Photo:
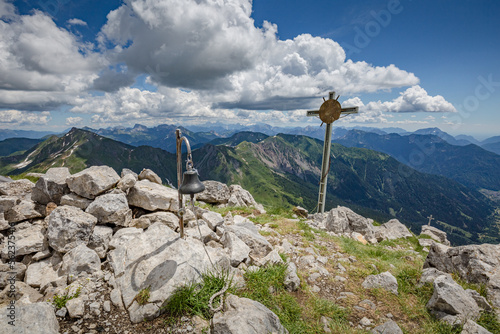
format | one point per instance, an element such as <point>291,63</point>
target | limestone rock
<point>126,182</point>
<point>246,316</point>
<point>166,218</point>
<point>3,223</point>
<point>51,186</point>
<point>73,199</point>
<point>19,188</point>
<point>424,242</point>
<point>99,240</point>
<point>215,193</point>
<point>7,202</point>
<point>160,260</point>
<point>41,273</point>
<point>213,219</point>
<point>435,234</point>
<point>25,209</point>
<point>471,327</point>
<point>37,318</point>
<point>124,235</point>
<point>30,239</point>
<point>238,250</point>
<point>76,307</point>
<point>451,303</point>
<point>93,181</point>
<point>151,196</point>
<point>300,211</point>
<point>69,227</point>
<point>240,196</point>
<point>249,234</point>
<point>80,259</point>
<point>148,174</point>
<point>292,280</point>
<point>23,291</point>
<point>478,264</point>
<point>391,230</point>
<point>111,208</point>
<point>344,220</point>
<point>126,171</point>
<point>389,327</point>
<point>430,274</point>
<point>6,273</point>
<point>206,233</point>
<point>384,280</point>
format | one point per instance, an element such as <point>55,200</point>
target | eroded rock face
<point>151,196</point>
<point>18,188</point>
<point>246,316</point>
<point>148,174</point>
<point>99,240</point>
<point>111,208</point>
<point>474,263</point>
<point>238,250</point>
<point>451,303</point>
<point>51,186</point>
<point>37,318</point>
<point>69,227</point>
<point>93,181</point>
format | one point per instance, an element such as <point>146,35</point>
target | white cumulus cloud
<point>73,121</point>
<point>23,118</point>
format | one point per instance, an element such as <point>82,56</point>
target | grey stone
<point>238,250</point>
<point>80,259</point>
<point>37,318</point>
<point>69,227</point>
<point>111,208</point>
<point>139,313</point>
<point>365,322</point>
<point>480,300</point>
<point>19,188</point>
<point>28,240</point>
<point>391,230</point>
<point>151,196</point>
<point>76,307</point>
<point>23,291</point>
<point>344,220</point>
<point>25,209</point>
<point>270,259</point>
<point>99,240</point>
<point>75,200</point>
<point>160,260</point>
<point>430,274</point>
<point>62,312</point>
<point>126,171</point>
<point>215,193</point>
<point>41,273</point>
<point>383,280</point>
<point>470,327</point>
<point>148,174</point>
<point>116,298</point>
<point>246,316</point>
<point>451,303</point>
<point>166,218</point>
<point>124,235</point>
<point>479,264</point>
<point>213,219</point>
<point>389,327</point>
<point>435,234</point>
<point>249,234</point>
<point>206,233</point>
<point>126,182</point>
<point>106,306</point>
<point>51,186</point>
<point>424,242</point>
<point>5,272</point>
<point>93,181</point>
<point>291,281</point>
<point>240,197</point>
<point>7,202</point>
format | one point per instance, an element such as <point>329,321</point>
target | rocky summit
<point>99,252</point>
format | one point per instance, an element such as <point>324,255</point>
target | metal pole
<point>325,168</point>
<point>179,178</point>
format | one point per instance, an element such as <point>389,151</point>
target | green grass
<point>490,321</point>
<point>193,298</point>
<point>59,301</point>
<point>143,296</point>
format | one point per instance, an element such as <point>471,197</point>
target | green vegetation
<point>490,321</point>
<point>59,301</point>
<point>143,296</point>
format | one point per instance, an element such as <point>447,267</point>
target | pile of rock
<point>220,194</point>
<point>95,226</point>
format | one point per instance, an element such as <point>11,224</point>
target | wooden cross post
<point>329,112</point>
<point>430,219</point>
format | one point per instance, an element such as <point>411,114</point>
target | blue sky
<point>409,64</point>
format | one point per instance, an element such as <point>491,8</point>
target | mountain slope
<point>470,165</point>
<point>13,145</point>
<point>235,139</point>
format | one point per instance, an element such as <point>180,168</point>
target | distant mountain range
<point>283,170</point>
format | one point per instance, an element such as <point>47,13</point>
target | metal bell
<point>191,183</point>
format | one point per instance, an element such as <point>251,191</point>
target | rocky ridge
<point>106,238</point>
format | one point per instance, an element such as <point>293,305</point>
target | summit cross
<point>329,112</point>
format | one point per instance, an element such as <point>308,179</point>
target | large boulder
<point>391,230</point>
<point>215,193</point>
<point>344,220</point>
<point>18,188</point>
<point>75,200</point>
<point>246,316</point>
<point>51,186</point>
<point>44,272</point>
<point>111,208</point>
<point>240,196</point>
<point>93,181</point>
<point>249,234</point>
<point>161,261</point>
<point>238,250</point>
<point>25,209</point>
<point>37,318</point>
<point>99,240</point>
<point>451,303</point>
<point>69,227</point>
<point>384,280</point>
<point>436,234</point>
<point>478,264</point>
<point>151,196</point>
<point>471,327</point>
<point>148,174</point>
